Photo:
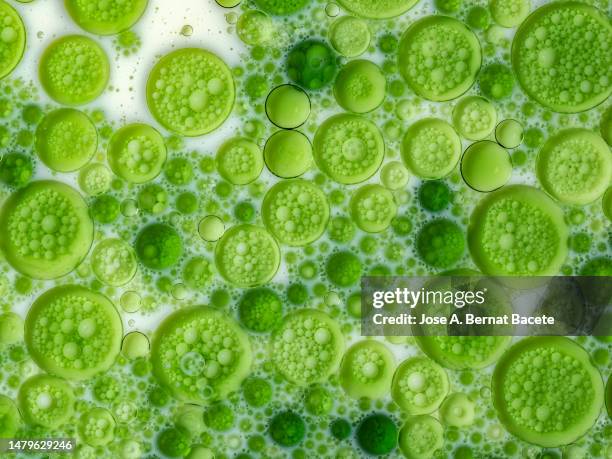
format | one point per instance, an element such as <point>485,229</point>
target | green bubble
<point>135,345</point>
<point>518,230</point>
<point>288,106</point>
<point>441,243</point>
<point>190,91</point>
<point>485,166</point>
<point>348,148</point>
<point>340,429</point>
<point>546,391</point>
<point>66,139</point>
<point>509,133</point>
<point>575,166</point>
<point>10,419</point>
<point>431,148</point>
<point>219,417</point>
<point>295,212</point>
<point>478,17</point>
<point>73,332</point>
<point>367,369</point>
<point>94,179</point>
<point>434,195</point>
<point>239,161</point>
<point>448,6</point>
<point>373,208</point>
<point>457,410</point>
<point>307,347</point>
<point>16,169</point>
<point>311,64</point>
<point>439,57</point>
<point>496,81</point>
<point>158,246</point>
<point>200,354</point>
<point>282,7</point>
<point>97,427</point>
<point>198,273</point>
<point>377,434</point>
<point>598,266</point>
<point>136,153</point>
<point>12,39</point>
<point>350,36</point>
<point>377,9</point>
<point>297,294</point>
<point>227,4</point>
<point>152,199</point>
<point>211,228</point>
<point>287,428</point>
<point>187,203</point>
<point>11,328</point>
<point>360,86</point>
<point>66,236</point>
<point>474,117</point>
<point>561,58</point>
<point>257,392</point>
<point>260,310</point>
<point>174,442</point>
<point>74,70</point>
<point>394,175</point>
<point>105,18</point>
<point>247,256</point>
<point>178,171</point>
<point>114,262</point>
<point>105,209</point>
<point>344,269</point>
<point>420,437</point>
<point>46,401</point>
<point>509,13</point>
<point>318,401</point>
<point>419,385</point>
<point>288,154</point>
<point>255,28</point>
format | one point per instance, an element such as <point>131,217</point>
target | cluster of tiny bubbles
<point>202,300</point>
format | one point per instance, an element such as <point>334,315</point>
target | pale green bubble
<point>74,70</point>
<point>46,401</point>
<point>474,117</point>
<point>202,370</point>
<point>349,148</point>
<point>420,437</point>
<point>509,13</point>
<point>239,161</point>
<point>11,328</point>
<point>135,345</point>
<point>575,166</point>
<point>197,104</point>
<point>366,369</point>
<point>12,39</point>
<point>114,262</point>
<point>426,63</point>
<point>211,228</point>
<point>509,133</point>
<point>255,27</point>
<point>457,410</point>
<point>419,385</point>
<point>360,86</point>
<point>485,166</point>
<point>380,9</point>
<point>58,248</point>
<point>394,175</point>
<point>137,153</point>
<point>97,427</point>
<point>554,46</point>
<point>288,106</point>
<point>350,36</point>
<point>288,154</point>
<point>66,139</point>
<point>295,212</point>
<point>373,208</point>
<point>105,18</point>
<point>431,148</point>
<point>86,334</point>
